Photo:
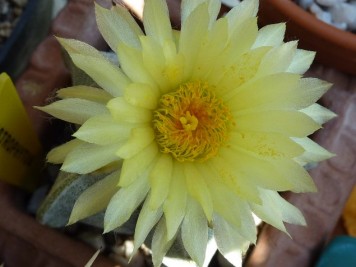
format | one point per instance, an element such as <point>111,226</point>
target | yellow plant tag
<point>19,145</point>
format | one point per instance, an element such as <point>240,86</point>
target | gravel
<point>10,12</point>
<point>339,13</point>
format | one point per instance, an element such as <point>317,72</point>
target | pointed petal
<point>237,213</point>
<point>188,6</point>
<point>296,175</point>
<point>154,61</point>
<point>156,21</point>
<point>270,35</point>
<point>123,111</point>
<point>93,63</point>
<point>95,198</point>
<point>241,12</point>
<point>103,130</point>
<point>160,243</point>
<point>259,171</point>
<point>195,225</point>
<point>230,243</point>
<point>290,123</point>
<point>313,152</point>
<point>138,140</point>
<point>175,205</point>
<point>74,110</point>
<point>239,184</point>
<point>277,91</point>
<point>117,25</point>
<point>274,210</point>
<point>198,189</point>
<point>85,92</point>
<point>160,178</point>
<point>146,221</point>
<point>89,157</point>
<point>268,92</point>
<point>211,49</point>
<point>142,95</point>
<point>58,154</point>
<point>131,62</point>
<point>266,145</point>
<point>193,31</point>
<point>301,61</point>
<point>277,59</point>
<point>124,203</point>
<point>135,166</point>
<point>318,113</point>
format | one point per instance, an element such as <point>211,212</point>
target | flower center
<point>191,123</point>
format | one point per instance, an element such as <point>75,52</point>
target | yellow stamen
<point>191,123</point>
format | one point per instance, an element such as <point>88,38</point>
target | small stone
<point>305,3</point>
<point>315,9</point>
<point>341,26</point>
<point>344,13</point>
<point>329,3</point>
<point>324,16</point>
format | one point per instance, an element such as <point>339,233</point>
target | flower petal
<point>131,62</point>
<point>160,178</point>
<point>103,130</point>
<point>124,203</point>
<point>266,145</point>
<point>211,49</point>
<point>160,243</point>
<point>93,63</point>
<point>135,166</point>
<point>89,157</point>
<point>74,110</point>
<point>313,152</point>
<point>241,186</point>
<point>195,225</point>
<point>142,95</point>
<point>117,25</point>
<point>277,91</point>
<point>188,6</point>
<point>241,12</point>
<point>274,210</point>
<point>296,175</point>
<point>230,243</point>
<point>85,92</point>
<point>156,21</point>
<point>258,171</point>
<point>237,213</point>
<point>123,111</point>
<point>154,61</point>
<point>230,77</point>
<point>175,205</point>
<point>192,34</point>
<point>138,140</point>
<point>301,61</point>
<point>58,154</point>
<point>270,35</point>
<point>290,123</point>
<point>277,59</point>
<point>198,189</point>
<point>318,113</point>
<point>146,221</point>
<point>95,198</point>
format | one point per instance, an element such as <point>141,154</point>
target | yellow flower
<point>203,126</point>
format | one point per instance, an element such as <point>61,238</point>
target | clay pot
<point>334,47</point>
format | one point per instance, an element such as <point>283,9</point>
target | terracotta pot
<point>334,47</point>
